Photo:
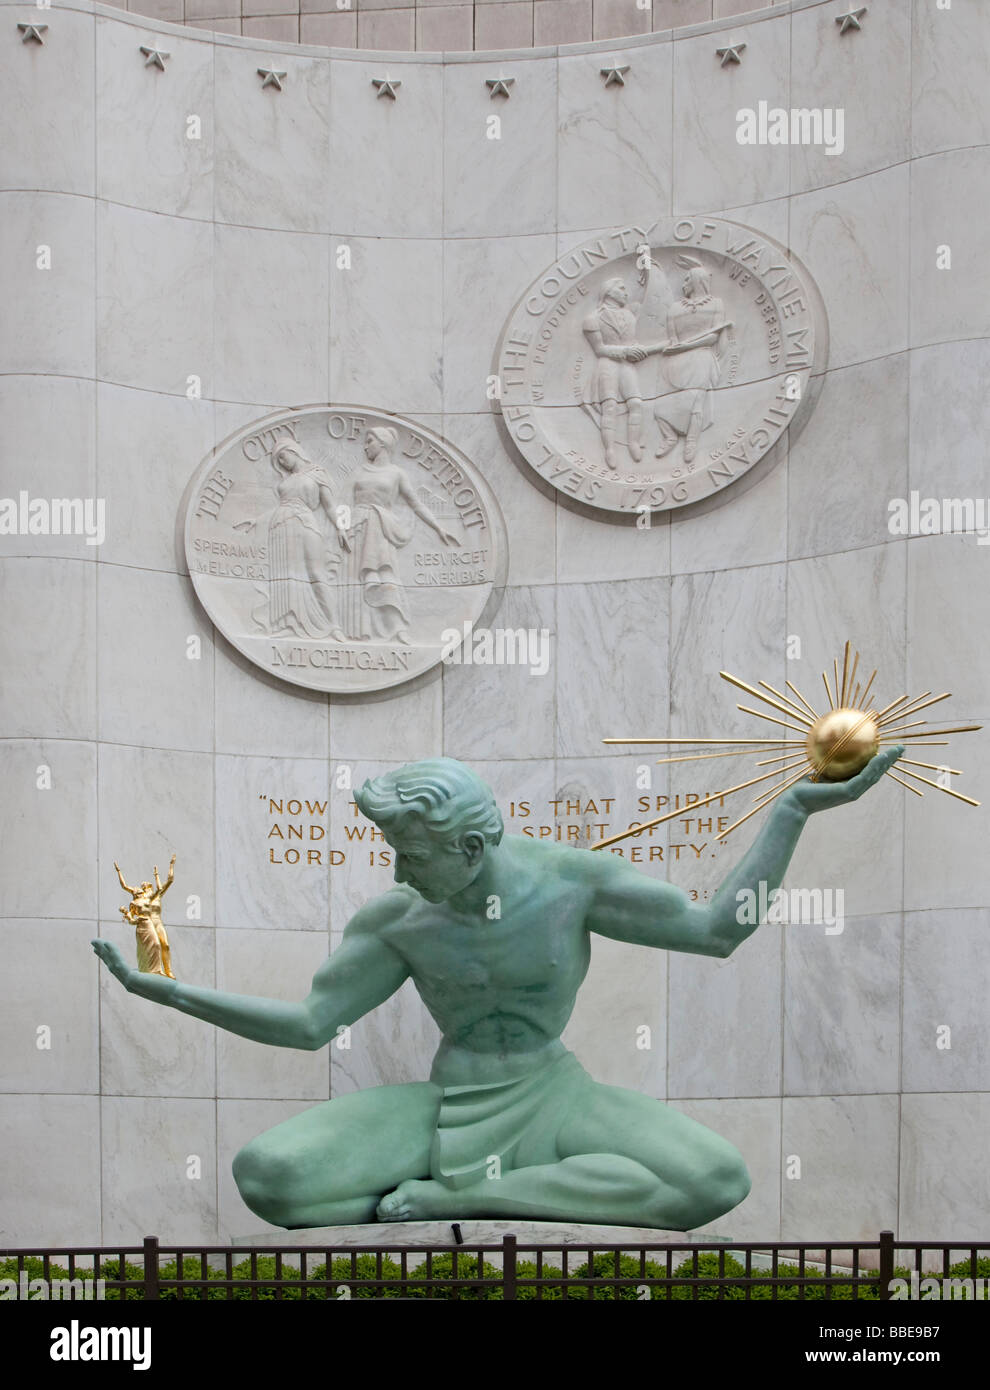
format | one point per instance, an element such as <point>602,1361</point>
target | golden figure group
<point>144,911</point>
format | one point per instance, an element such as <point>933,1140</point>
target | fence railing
<point>508,1269</point>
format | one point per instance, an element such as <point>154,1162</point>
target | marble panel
<point>238,1122</point>
<point>391,1045</point>
<point>561,21</point>
<point>504,24</point>
<point>754,1127</point>
<point>266,8</point>
<point>386,334</point>
<point>39,414</point>
<point>857,848</point>
<point>730,621</point>
<point>483,192</point>
<point>254,710</point>
<point>944,863</point>
<point>950,56</point>
<point>139,830</point>
<point>866,74</point>
<point>398,725</point>
<point>506,711</point>
<point>52,307</point>
<point>272,321</point>
<point>331,30</point>
<point>948,612</point>
<point>724,1029</point>
<point>618,1028</point>
<point>165,701</point>
<point>617,19</point>
<point>154,300</point>
<point>857,433</point>
<point>50,983</point>
<point>147,1050</point>
<point>272,965</point>
<point>949,194</point>
<point>279,28</point>
<point>393,30</point>
<point>386,157</point>
<point>482,280</point>
<point>144,434</point>
<point>54,148</point>
<point>945,1183</point>
<point>742,527</point>
<point>842,1004</point>
<point>950,419</point>
<point>51,1190</point>
<point>597,797</point>
<point>946,985</point>
<point>49,806</point>
<point>710,168</point>
<point>159,1169</point>
<point>611,656</point>
<point>146,158</point>
<point>854,241</point>
<point>445,28</point>
<point>257,186</point>
<point>260,882</point>
<point>530,512</point>
<point>848,1151</point>
<point>621,133</point>
<point>671,13</point>
<point>50,630</point>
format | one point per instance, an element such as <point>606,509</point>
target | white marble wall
<point>216,259</point>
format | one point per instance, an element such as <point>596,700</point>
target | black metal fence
<point>509,1269</point>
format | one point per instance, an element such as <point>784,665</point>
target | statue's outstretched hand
<point>819,796</point>
<point>114,961</point>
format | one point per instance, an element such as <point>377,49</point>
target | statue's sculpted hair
<point>446,797</point>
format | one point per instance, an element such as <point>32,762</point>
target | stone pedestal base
<point>390,1234</point>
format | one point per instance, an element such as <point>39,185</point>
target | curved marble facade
<point>177,260</point>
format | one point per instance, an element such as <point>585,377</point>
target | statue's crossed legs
<point>621,1159</point>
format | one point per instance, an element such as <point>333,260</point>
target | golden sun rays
<point>826,747</point>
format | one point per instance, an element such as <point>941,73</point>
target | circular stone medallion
<point>649,368</point>
<point>340,547</point>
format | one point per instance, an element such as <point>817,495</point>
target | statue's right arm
<point>362,973</point>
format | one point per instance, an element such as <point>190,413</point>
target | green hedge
<point>355,1279</point>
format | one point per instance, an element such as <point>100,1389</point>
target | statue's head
<point>615,290</point>
<point>380,440</point>
<point>440,819</point>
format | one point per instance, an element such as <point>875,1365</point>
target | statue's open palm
<point>819,796</point>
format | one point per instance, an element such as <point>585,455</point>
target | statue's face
<point>437,871</point>
<point>372,446</point>
<point>619,294</point>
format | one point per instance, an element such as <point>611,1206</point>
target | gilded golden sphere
<point>841,743</point>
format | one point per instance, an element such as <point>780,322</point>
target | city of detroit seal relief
<point>335,545</point>
<point>651,367</point>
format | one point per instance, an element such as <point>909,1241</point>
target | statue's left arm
<point>628,906</point>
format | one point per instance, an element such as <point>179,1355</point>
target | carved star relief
<point>499,86</point>
<point>850,20</point>
<point>155,57</point>
<point>32,31</point>
<point>730,54</point>
<point>615,76</point>
<point>273,78</point>
<point>387,86</point>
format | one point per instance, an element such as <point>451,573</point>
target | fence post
<point>151,1267</point>
<point>508,1266</point>
<point>886,1263</point>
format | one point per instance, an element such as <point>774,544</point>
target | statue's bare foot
<point>417,1200</point>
